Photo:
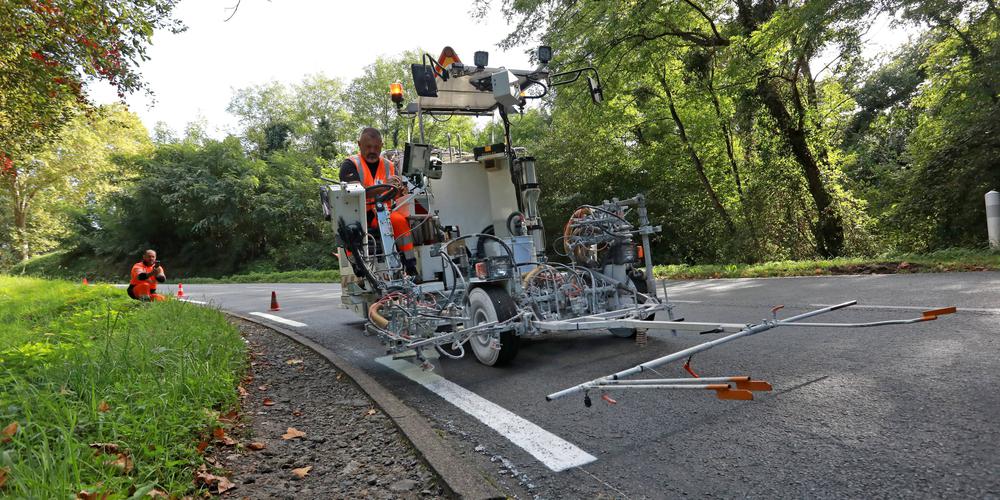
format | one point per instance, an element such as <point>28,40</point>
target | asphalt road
<point>896,411</point>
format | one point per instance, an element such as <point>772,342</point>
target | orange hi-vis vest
<point>385,170</point>
<point>150,280</point>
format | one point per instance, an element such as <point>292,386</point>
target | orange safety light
<point>396,92</point>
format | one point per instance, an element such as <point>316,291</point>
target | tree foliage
<point>50,48</point>
<point>759,128</point>
<point>72,176</point>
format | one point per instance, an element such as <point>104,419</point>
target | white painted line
<point>556,453</point>
<point>184,299</point>
<point>278,319</point>
<point>916,308</point>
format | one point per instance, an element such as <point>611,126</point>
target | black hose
<point>510,218</point>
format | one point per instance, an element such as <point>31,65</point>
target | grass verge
<point>940,261</point>
<point>301,276</point>
<point>61,265</point>
<point>102,394</point>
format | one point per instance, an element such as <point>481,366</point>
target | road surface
<point>898,411</point>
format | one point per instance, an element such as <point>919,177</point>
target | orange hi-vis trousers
<point>400,229</point>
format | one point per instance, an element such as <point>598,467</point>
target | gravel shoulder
<point>350,448</point>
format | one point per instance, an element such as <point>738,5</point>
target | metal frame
<point>614,381</point>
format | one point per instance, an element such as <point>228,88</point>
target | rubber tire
<point>492,303</point>
<point>629,333</point>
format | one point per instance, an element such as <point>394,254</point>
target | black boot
<point>410,265</point>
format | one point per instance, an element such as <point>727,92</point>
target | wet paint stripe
<point>279,319</point>
<point>556,453</point>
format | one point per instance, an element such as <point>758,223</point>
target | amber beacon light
<point>396,92</point>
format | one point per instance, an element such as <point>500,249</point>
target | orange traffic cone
<point>85,282</point>
<point>274,302</point>
<point>180,289</point>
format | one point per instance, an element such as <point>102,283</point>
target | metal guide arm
<point>613,380</point>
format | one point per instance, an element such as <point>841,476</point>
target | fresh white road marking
<point>278,319</point>
<point>556,453</point>
<point>192,301</point>
<point>916,308</point>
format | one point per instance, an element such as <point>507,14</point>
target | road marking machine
<point>484,279</point>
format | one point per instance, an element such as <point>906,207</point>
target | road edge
<point>458,475</point>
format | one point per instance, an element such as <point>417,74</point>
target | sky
<point>193,74</point>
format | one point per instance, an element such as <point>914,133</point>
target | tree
<point>74,174</point>
<point>754,56</point>
<point>309,117</point>
<point>368,98</point>
<point>49,50</point>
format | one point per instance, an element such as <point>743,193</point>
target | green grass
<point>164,370</point>
<point>61,265</point>
<point>301,276</point>
<point>940,261</point>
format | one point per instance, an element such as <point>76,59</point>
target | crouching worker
<point>145,275</point>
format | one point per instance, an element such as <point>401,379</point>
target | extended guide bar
<point>613,380</point>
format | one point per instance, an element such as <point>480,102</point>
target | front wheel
<point>488,304</point>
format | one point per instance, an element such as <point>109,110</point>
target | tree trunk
<point>21,225</point>
<point>829,231</point>
<point>696,160</point>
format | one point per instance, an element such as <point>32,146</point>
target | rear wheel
<point>639,281</point>
<point>488,304</point>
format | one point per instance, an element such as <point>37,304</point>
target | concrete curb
<point>459,476</point>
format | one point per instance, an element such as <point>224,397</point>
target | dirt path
<point>349,449</point>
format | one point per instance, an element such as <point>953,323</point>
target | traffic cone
<point>180,290</point>
<point>85,282</point>
<point>274,302</point>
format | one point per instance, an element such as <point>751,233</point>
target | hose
<point>576,254</point>
<point>375,317</point>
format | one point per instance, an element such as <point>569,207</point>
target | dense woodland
<point>758,129</point>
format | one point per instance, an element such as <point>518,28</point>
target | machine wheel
<point>488,304</point>
<point>639,281</point>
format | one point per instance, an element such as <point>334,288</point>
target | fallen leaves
<point>201,447</point>
<point>221,484</point>
<point>122,462</point>
<point>256,446</point>
<point>230,418</point>
<point>292,433</point>
<point>243,392</point>
<point>8,432</point>
<point>340,374</point>
<point>268,402</point>
<point>86,495</point>
<point>294,361</point>
<point>370,412</point>
<point>220,437</point>
<point>297,413</point>
<point>302,472</point>
<point>261,388</point>
<point>119,459</point>
<point>103,407</point>
<point>3,476</point>
<point>109,448</point>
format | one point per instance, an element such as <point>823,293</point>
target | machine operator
<point>369,168</point>
<point>145,275</point>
